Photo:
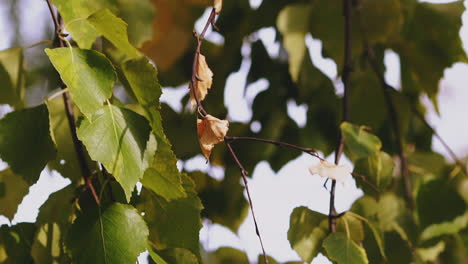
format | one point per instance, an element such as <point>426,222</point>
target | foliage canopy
<point>109,61</point>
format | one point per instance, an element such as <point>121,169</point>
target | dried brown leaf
<point>218,5</point>
<point>211,131</point>
<point>205,82</point>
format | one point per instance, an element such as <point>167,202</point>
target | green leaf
<point>75,12</point>
<point>293,22</point>
<point>25,139</point>
<point>358,142</point>
<point>438,202</point>
<point>397,248</point>
<point>121,140</point>
<point>427,49</point>
<point>15,242</point>
<point>12,191</point>
<point>142,78</point>
<point>348,223</point>
<point>224,200</point>
<point>48,246</point>
<point>88,74</point>
<point>163,177</point>
<point>227,255</point>
<point>155,256</point>
<point>118,234</point>
<point>139,15</point>
<point>307,230</point>
<point>114,29</point>
<point>344,250</point>
<point>66,162</point>
<point>58,207</point>
<point>12,77</point>
<point>430,254</point>
<point>445,228</point>
<point>174,224</point>
<point>377,170</point>
<point>166,185</point>
<point>178,255</point>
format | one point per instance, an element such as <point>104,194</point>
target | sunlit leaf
<point>307,230</point>
<point>174,224</point>
<point>162,177</point>
<point>12,77</point>
<point>358,142</point>
<point>344,250</point>
<point>114,29</point>
<point>12,191</point>
<point>118,233</point>
<point>15,242</point>
<point>445,228</point>
<point>293,23</point>
<point>66,162</point>
<point>377,169</point>
<point>227,255</point>
<point>430,254</point>
<point>88,74</point>
<point>177,255</point>
<point>25,139</point>
<point>430,48</point>
<point>121,140</point>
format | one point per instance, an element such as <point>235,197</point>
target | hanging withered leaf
<point>339,173</point>
<point>204,82</point>
<point>211,131</point>
<point>218,5</point>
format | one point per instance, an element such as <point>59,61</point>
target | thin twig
<point>396,128</point>
<point>79,149</point>
<point>309,151</point>
<point>201,110</point>
<point>195,78</point>
<point>452,154</point>
<point>244,178</point>
<point>347,68</point>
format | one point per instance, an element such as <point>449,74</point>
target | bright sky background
<point>274,195</point>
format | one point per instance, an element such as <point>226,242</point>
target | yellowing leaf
<point>218,5</point>
<point>206,80</point>
<point>211,131</point>
<point>338,173</point>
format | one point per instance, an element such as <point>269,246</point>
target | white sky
<point>274,195</point>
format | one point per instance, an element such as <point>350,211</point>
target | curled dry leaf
<point>340,173</point>
<point>218,5</point>
<point>205,76</point>
<point>211,131</point>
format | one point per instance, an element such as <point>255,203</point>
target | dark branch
<point>79,149</point>
<point>347,68</point>
<point>244,178</point>
<point>309,151</point>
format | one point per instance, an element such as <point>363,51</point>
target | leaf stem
<point>244,179</point>
<point>309,151</point>
<point>79,149</point>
